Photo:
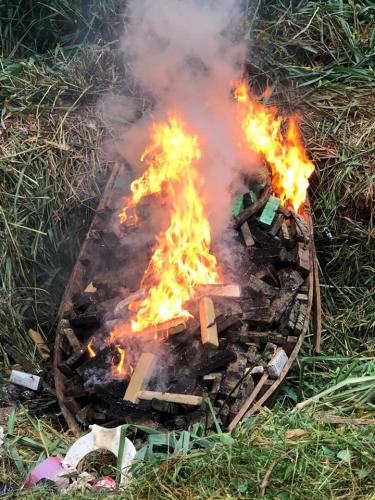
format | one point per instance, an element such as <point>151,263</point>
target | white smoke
<point>184,55</point>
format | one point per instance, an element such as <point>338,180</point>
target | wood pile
<point>234,348</point>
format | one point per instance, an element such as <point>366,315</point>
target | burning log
<point>231,291</point>
<point>185,399</point>
<point>207,318</point>
<point>165,329</point>
<point>141,374</point>
<point>254,208</point>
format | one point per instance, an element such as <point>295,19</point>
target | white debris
<point>27,380</point>
<point>101,438</point>
<point>277,363</point>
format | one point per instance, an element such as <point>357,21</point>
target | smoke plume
<point>184,56</point>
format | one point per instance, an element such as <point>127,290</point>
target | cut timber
<point>71,337</point>
<point>207,319</point>
<point>140,376</point>
<point>231,290</point>
<point>170,327</point>
<point>90,288</point>
<point>40,343</point>
<point>246,234</point>
<point>184,399</point>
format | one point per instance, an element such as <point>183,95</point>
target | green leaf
<point>344,455</point>
<point>226,439</point>
<point>362,473</point>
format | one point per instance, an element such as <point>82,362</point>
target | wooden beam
<point>231,290</point>
<point>246,234</point>
<point>165,329</point>
<point>40,343</point>
<point>140,376</point>
<point>207,319</point>
<point>185,399</point>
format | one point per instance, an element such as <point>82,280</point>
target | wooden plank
<point>140,376</point>
<point>40,343</point>
<point>230,290</point>
<point>246,234</point>
<point>71,337</point>
<point>90,288</point>
<point>161,330</point>
<point>207,318</point>
<point>185,399</point>
<point>317,305</point>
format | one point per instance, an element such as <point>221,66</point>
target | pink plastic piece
<point>105,482</point>
<point>51,468</point>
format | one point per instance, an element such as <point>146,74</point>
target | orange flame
<point>285,154</point>
<point>181,257</point>
<point>90,349</point>
<point>119,370</point>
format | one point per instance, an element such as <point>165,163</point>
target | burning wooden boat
<point>168,348</point>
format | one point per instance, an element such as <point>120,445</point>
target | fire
<point>181,257</point>
<point>284,153</point>
<point>119,369</point>
<point>90,349</point>
<point>169,155</point>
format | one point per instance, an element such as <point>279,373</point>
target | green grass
<point>56,60</point>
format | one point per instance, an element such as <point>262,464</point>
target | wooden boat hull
<point>78,282</point>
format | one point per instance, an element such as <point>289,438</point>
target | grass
<point>56,61</point>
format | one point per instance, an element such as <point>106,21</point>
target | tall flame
<point>181,257</point>
<point>285,154</point>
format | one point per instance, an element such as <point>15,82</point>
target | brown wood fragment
<point>285,236</point>
<point>317,305</point>
<point>207,318</point>
<point>214,362</point>
<point>90,288</point>
<point>185,399</point>
<point>277,223</point>
<point>140,376</point>
<point>40,343</point>
<point>246,234</point>
<point>163,330</point>
<point>337,419</point>
<point>304,259</point>
<point>256,286</point>
<point>71,337</point>
<point>230,290</point>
